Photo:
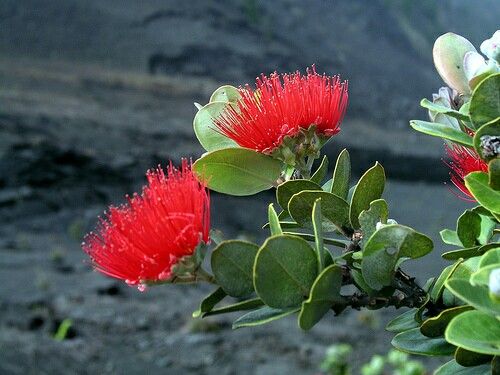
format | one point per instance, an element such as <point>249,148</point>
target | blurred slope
<point>381,46</point>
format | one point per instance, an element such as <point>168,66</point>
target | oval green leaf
<point>475,295</point>
<point>205,130</point>
<point>485,101</point>
<point>320,173</point>
<point>469,228</point>
<point>437,108</point>
<point>442,131</point>
<point>475,331</point>
<point>468,358</point>
<point>261,316</point>
<point>385,247</point>
<point>287,190</point>
<point>238,171</point>
<point>403,322</point>
<point>413,342</point>
<point>285,269</point>
<point>478,185</point>
<point>335,210</point>
<point>453,368</point>
<point>436,326</point>
<point>369,188</point>
<point>324,293</point>
<point>341,175</point>
<point>209,302</point>
<point>232,264</point>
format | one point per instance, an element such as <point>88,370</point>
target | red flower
<point>142,240</point>
<point>463,161</point>
<point>282,105</point>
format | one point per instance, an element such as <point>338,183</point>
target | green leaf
<point>475,331</point>
<point>475,295</point>
<point>361,283</point>
<point>438,288</point>
<point>318,234</point>
<point>284,271</point>
<point>450,237</point>
<point>335,210</point>
<point>413,342</point>
<point>467,358</point>
<point>442,131</point>
<point>466,268</point>
<point>477,183</point>
<point>369,188</point>
<point>232,264</point>
<point>494,174</point>
<point>209,302</point>
<point>487,227</point>
<point>341,175</point>
<point>262,316</point>
<point>491,257</point>
<point>328,241</point>
<point>491,129</point>
<point>435,326</point>
<point>368,219</point>
<point>485,101</point>
<point>471,252</point>
<point>226,94</point>
<point>249,304</point>
<point>385,247</point>
<point>453,368</point>
<point>324,293</point>
<point>448,53</point>
<point>238,171</point>
<point>205,129</point>
<point>437,108</point>
<point>287,190</point>
<point>469,228</point>
<point>482,276</point>
<point>403,322</point>
<point>274,222</point>
<point>320,173</point>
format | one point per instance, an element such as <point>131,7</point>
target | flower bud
<point>494,284</point>
<point>448,52</point>
<point>491,47</point>
<point>476,68</point>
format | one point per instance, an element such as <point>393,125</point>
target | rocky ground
<point>94,93</point>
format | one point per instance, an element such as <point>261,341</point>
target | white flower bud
<point>494,282</point>
<point>491,47</point>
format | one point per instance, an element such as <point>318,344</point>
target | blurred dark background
<point>94,92</point>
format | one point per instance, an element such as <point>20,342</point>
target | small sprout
<point>374,367</point>
<point>76,230</point>
<point>204,326</point>
<point>336,360</point>
<point>63,329</point>
<point>57,255</point>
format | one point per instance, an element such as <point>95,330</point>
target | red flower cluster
<point>463,161</point>
<point>142,240</point>
<point>282,105</point>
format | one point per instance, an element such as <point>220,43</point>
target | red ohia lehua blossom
<point>142,240</point>
<point>282,105</point>
<point>463,161</point>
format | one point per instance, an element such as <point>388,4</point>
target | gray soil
<point>82,118</point>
